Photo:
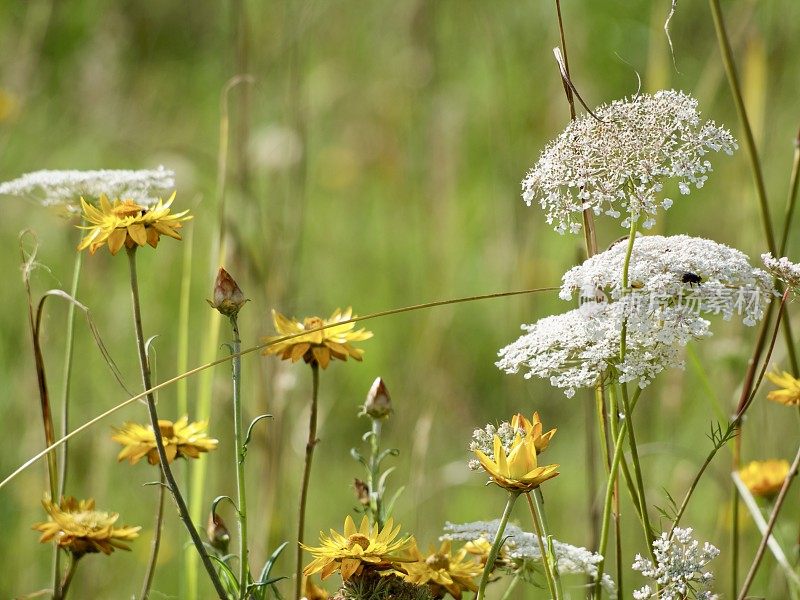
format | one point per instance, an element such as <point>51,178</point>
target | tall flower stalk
<point>228,300</point>
<point>318,342</point>
<point>153,413</point>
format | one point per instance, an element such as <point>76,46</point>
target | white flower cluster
<point>616,163</point>
<point>522,548</point>
<point>573,349</point>
<point>679,569</point>
<point>672,282</point>
<point>783,269</point>
<point>483,440</point>
<point>64,188</point>
<point>699,274</point>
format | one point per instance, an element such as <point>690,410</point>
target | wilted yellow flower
<point>320,346</point>
<point>764,477</point>
<point>356,549</point>
<point>442,571</point>
<point>518,470</point>
<point>789,394</point>
<point>77,527</point>
<point>181,439</point>
<point>126,223</point>
<point>518,421</point>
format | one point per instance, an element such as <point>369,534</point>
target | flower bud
<point>218,533</point>
<point>378,404</point>
<point>228,298</point>
<point>362,491</point>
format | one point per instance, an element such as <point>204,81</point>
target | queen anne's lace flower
<point>483,440</point>
<point>573,349</point>
<point>700,275</point>
<point>783,269</point>
<point>522,548</point>
<point>65,188</point>
<point>617,163</point>
<point>679,569</point>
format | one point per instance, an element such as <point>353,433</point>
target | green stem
<point>791,201</point>
<point>312,442</point>
<point>511,587</point>
<point>67,377</point>
<point>374,474</point>
<point>637,468</point>
<point>241,496</point>
<point>551,555</point>
<point>63,587</point>
<point>540,536</point>
<point>156,543</point>
<point>497,544</point>
<point>162,455</point>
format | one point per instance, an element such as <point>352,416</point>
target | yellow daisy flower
<point>518,470</point>
<point>764,478</point>
<point>181,439</point>
<point>365,547</point>
<point>320,346</point>
<point>541,441</point>
<point>77,527</point>
<point>126,223</point>
<point>789,394</point>
<point>441,571</point>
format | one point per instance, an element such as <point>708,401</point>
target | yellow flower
<point>541,442</point>
<point>356,549</point>
<point>126,223</point>
<point>790,392</point>
<point>78,528</point>
<point>181,439</point>
<point>480,549</point>
<point>320,346</point>
<point>518,470</point>
<point>442,571</point>
<point>764,478</point>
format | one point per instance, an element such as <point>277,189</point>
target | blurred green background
<point>375,162</point>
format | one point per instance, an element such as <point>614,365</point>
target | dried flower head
<point>378,404</point>
<point>218,535</point>
<point>317,346</point>
<point>764,477</point>
<point>358,549</point>
<point>441,570</point>
<point>516,469</point>
<point>78,528</point>
<point>788,393</point>
<point>694,274</point>
<point>574,349</point>
<point>64,188</point>
<point>679,569</point>
<point>228,297</point>
<point>783,269</point>
<point>521,551</point>
<point>617,163</point>
<point>126,223</point>
<point>181,439</point>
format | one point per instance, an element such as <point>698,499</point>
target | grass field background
<point>375,162</point>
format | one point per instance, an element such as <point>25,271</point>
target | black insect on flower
<point>691,278</point>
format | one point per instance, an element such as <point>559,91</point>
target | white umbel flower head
<point>483,440</point>
<point>63,189</point>
<point>679,569</point>
<point>616,164</point>
<point>783,269</point>
<point>522,547</point>
<point>697,274</point>
<point>572,350</point>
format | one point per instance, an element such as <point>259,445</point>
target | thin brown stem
<point>156,543</point>
<point>779,501</point>
<point>162,455</point>
<point>310,445</point>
